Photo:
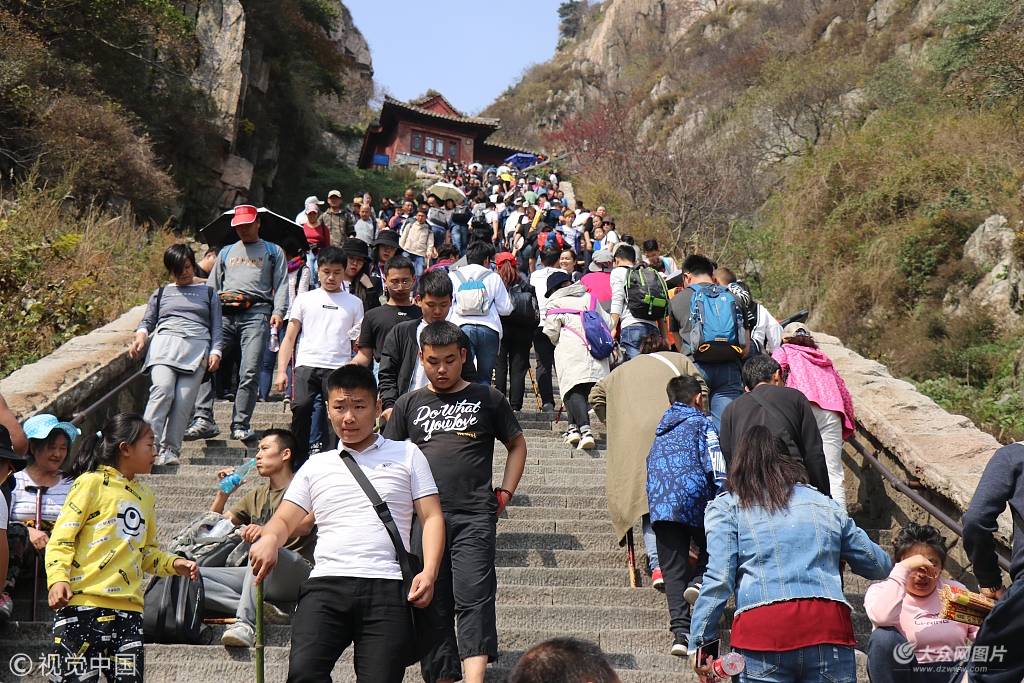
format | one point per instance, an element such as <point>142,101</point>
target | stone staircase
<point>560,569</point>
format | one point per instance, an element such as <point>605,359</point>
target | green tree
<point>573,14</point>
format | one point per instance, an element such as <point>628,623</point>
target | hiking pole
<point>259,633</point>
<point>536,391</point>
<point>631,555</point>
<point>39,491</point>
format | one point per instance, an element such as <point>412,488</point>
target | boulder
<point>1001,289</point>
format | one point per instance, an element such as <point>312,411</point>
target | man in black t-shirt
<point>400,280</point>
<point>455,424</point>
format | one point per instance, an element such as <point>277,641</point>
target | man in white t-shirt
<point>325,318</point>
<point>480,298</point>
<point>356,593</point>
<point>541,344</point>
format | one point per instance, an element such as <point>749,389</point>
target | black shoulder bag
<point>427,625</point>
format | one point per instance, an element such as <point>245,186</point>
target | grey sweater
<point>1001,484</point>
<point>251,271</point>
<point>184,310</point>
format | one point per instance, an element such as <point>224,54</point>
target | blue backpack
<point>598,339</point>
<point>718,334</point>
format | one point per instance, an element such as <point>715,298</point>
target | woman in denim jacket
<point>776,544</point>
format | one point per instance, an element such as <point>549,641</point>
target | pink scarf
<point>811,371</point>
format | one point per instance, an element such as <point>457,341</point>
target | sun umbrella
<point>446,191</point>
<point>273,228</point>
<point>521,160</point>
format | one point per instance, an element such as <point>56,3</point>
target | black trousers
<point>513,364</point>
<point>1001,635</point>
<point>576,401</point>
<point>336,611</point>
<point>674,554</point>
<point>545,363</point>
<point>92,643</point>
<point>465,590</point>
<point>308,383</point>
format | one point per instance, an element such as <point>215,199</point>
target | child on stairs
<point>102,542</point>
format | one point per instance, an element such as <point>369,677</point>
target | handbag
<point>427,624</point>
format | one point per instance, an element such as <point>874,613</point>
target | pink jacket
<point>811,371</point>
<point>917,619</point>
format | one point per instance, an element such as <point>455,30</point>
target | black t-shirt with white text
<point>456,432</point>
<point>378,322</point>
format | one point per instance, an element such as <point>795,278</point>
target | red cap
<point>244,213</point>
<point>504,257</point>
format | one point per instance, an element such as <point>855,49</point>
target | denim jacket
<point>790,555</point>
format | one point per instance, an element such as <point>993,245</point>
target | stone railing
<point>942,455</point>
<point>78,373</point>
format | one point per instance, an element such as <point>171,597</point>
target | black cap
<point>355,247</point>
<point>386,237</point>
<point>556,280</point>
<point>18,462</point>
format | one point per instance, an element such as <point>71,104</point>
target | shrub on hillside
<point>65,272</point>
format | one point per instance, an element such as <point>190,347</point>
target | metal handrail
<point>902,487</point>
<point>79,418</point>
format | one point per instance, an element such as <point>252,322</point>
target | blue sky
<point>469,50</point>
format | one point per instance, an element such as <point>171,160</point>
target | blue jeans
<point>460,237</point>
<point>650,542</point>
<point>440,235</point>
<point>268,373</point>
<point>419,262</point>
<point>883,667</point>
<point>814,664</point>
<point>724,386</point>
<point>485,343</point>
<point>630,337</point>
<point>249,332</point>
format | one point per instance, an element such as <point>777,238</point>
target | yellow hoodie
<point>103,541</point>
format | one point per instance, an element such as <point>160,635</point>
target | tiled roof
<point>409,106</point>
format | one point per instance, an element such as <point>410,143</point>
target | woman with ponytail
<point>102,543</point>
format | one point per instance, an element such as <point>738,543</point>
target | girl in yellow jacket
<point>102,543</point>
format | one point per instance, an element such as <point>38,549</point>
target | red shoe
<point>656,579</point>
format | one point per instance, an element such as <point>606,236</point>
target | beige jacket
<point>572,358</point>
<point>417,239</point>
<point>630,401</point>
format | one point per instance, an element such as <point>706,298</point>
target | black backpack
<point>646,293</point>
<point>525,308</point>
<point>461,215</point>
<point>173,611</point>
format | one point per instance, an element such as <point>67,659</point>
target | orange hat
<point>244,213</point>
<point>505,257</point>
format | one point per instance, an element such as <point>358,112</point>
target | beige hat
<point>796,330</point>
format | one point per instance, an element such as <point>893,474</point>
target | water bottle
<point>729,665</point>
<point>231,482</point>
<point>275,341</point>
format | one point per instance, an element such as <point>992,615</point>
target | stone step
<point>202,493</point>
<point>534,464</point>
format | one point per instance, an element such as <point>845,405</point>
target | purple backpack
<point>598,337</point>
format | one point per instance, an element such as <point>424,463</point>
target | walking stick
<point>259,633</point>
<point>536,392</point>
<point>631,555</point>
<point>39,491</point>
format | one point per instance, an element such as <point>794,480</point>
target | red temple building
<point>429,130</point>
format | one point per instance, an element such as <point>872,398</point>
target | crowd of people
<point>401,337</point>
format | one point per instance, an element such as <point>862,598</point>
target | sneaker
<point>680,647</point>
<point>167,458</point>
<point>656,579</point>
<point>691,592</point>
<point>586,440</point>
<point>6,606</point>
<point>244,435</point>
<point>201,429</point>
<point>572,437</point>
<point>315,448</point>
<point>239,635</point>
<point>287,400</point>
<point>548,408</point>
<point>272,614</point>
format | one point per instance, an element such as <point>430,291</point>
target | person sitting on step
<point>231,589</point>
<point>904,609</point>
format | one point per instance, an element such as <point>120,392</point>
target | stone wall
<point>80,372</point>
<point>918,441</point>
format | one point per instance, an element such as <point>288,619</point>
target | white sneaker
<point>167,458</point>
<point>587,441</point>
<point>239,635</point>
<point>572,437</point>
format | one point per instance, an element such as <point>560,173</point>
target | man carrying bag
<point>360,591</point>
